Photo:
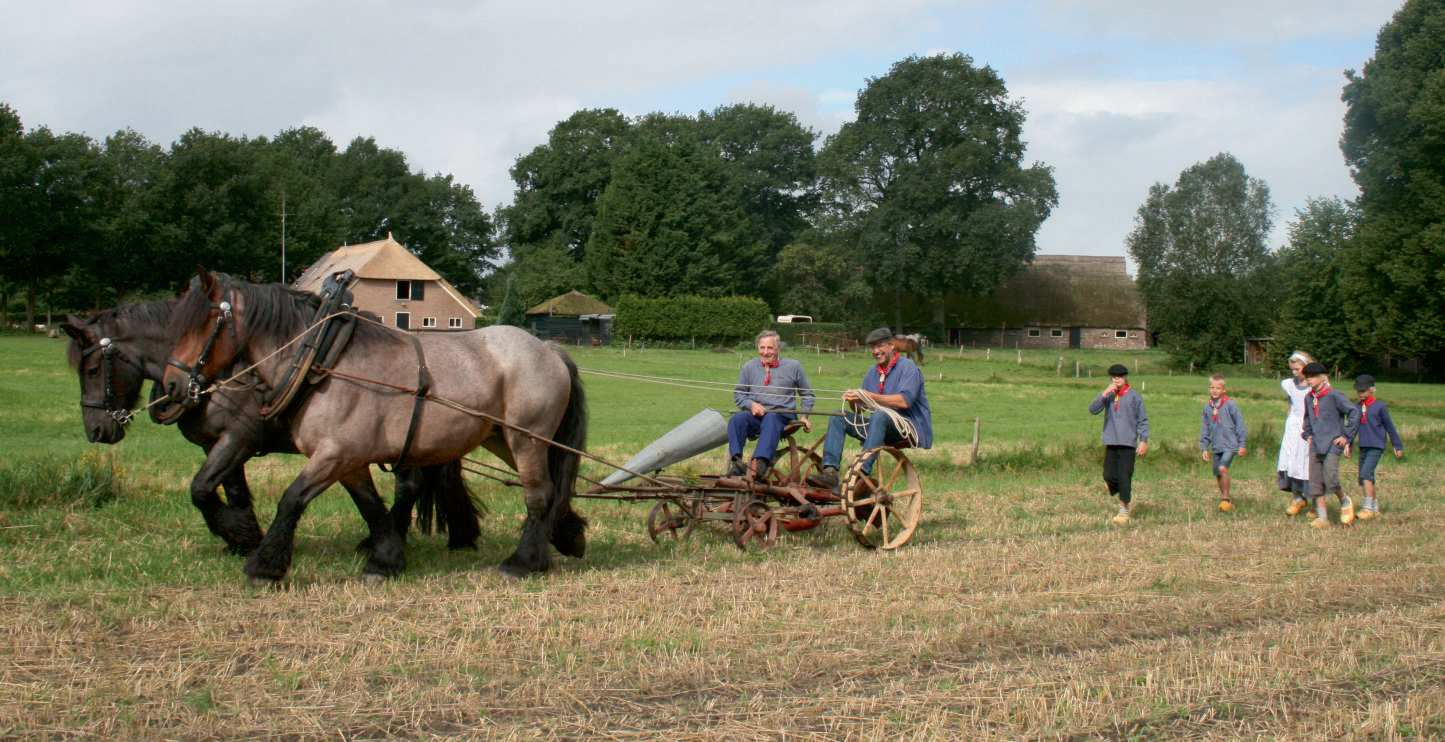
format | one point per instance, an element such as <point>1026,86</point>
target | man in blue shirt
<point>896,383</point>
<point>765,398</point>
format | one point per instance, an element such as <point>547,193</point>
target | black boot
<point>760,470</point>
<point>736,468</point>
<point>826,478</point>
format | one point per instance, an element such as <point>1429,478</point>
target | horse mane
<point>273,310</point>
<point>143,313</point>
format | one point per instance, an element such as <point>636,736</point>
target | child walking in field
<point>1375,424</point>
<point>1126,434</point>
<point>1330,423</point>
<point>1221,436</point>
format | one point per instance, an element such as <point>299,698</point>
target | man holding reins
<point>894,384</point>
<point>765,397</point>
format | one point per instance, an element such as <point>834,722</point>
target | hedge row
<point>811,333</point>
<point>729,319</point>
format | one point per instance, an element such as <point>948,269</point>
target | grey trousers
<point>1325,473</point>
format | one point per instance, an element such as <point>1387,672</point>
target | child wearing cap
<point>1126,434</point>
<point>1329,425</point>
<point>1375,424</point>
<point>1221,436</point>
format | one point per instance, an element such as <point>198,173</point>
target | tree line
<point>85,224</point>
<point>1359,281</point>
<point>924,195</point>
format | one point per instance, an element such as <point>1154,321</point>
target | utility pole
<point>283,236</point>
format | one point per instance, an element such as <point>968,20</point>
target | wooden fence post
<point>973,454</point>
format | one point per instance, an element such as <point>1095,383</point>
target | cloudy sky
<point>1120,94</point>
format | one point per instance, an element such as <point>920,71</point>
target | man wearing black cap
<point>1330,423</point>
<point>896,384</point>
<point>1126,434</point>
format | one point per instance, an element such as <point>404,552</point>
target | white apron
<point>1294,452</point>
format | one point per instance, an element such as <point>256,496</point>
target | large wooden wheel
<point>754,524</point>
<point>793,463</point>
<point>883,508</point>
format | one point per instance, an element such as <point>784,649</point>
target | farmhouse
<point>396,285</point>
<point>1058,301</point>
<point>573,317</point>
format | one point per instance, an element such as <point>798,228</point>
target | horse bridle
<point>196,381</point>
<point>109,354</point>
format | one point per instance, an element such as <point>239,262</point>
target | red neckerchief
<point>768,370</point>
<point>1317,393</point>
<point>1215,407</point>
<point>883,370</point>
<point>1365,408</point>
<point>1120,395</point>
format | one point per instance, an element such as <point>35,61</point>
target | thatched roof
<point>385,260</point>
<point>1059,291</point>
<point>570,304</point>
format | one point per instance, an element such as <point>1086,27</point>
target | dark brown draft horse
<point>116,350</point>
<point>361,413</point>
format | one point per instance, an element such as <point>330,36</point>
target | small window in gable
<point>1056,333</point>
<point>454,322</point>
<point>1121,334</point>
<point>428,321</point>
<point>1034,332</point>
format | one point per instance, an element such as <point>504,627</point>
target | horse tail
<point>568,528</point>
<point>441,499</point>
<point>457,509</point>
<point>918,345</point>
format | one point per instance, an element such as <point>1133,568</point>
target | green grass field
<point>1016,611</point>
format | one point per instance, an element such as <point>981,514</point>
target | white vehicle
<point>786,319</point>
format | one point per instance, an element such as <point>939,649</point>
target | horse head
<point>111,376</point>
<point>205,336</point>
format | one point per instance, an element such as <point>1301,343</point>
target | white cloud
<point>466,87</point>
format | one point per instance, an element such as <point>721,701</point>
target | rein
<point>109,353</point>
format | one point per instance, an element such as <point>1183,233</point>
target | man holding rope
<point>767,386</point>
<point>893,390</point>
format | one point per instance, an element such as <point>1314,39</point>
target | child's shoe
<point>1347,512</point>
<point>1296,507</point>
<point>1319,523</point>
<point>1121,518</point>
<point>1225,506</point>
<point>1366,514</point>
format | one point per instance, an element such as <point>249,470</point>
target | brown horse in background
<point>911,346</point>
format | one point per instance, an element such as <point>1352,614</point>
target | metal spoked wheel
<point>755,524</point>
<point>883,508</point>
<point>666,519</point>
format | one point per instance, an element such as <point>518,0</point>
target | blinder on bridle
<point>196,381</point>
<point>109,354</point>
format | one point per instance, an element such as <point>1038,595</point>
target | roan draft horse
<point>392,397</point>
<point>116,350</point>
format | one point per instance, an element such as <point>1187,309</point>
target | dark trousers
<point>768,429</point>
<point>1119,471</point>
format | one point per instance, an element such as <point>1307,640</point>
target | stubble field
<point>1017,611</point>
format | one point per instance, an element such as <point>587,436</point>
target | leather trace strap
<point>423,388</point>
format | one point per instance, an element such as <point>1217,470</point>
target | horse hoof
<point>372,578</point>
<point>263,583</point>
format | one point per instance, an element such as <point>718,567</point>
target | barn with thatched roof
<point>573,317</point>
<point>1058,301</point>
